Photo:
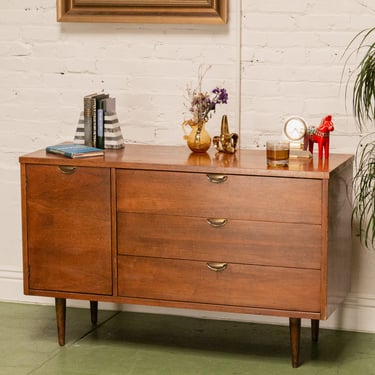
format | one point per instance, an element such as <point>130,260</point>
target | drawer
<point>235,241</point>
<point>239,197</point>
<point>238,285</point>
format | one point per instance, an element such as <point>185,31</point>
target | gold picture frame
<point>143,11</point>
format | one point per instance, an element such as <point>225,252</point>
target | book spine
<point>93,111</point>
<point>87,120</point>
<point>100,124</point>
<point>94,107</point>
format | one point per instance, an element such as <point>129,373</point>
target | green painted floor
<point>144,344</point>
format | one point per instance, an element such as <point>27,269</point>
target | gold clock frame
<point>143,11</point>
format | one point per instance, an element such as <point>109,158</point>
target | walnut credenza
<point>156,225</point>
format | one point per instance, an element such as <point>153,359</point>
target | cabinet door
<point>68,229</point>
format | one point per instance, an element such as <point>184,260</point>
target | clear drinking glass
<point>277,153</point>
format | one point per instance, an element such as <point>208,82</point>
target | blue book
<point>74,151</point>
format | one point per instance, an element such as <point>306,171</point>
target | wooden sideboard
<point>156,225</point>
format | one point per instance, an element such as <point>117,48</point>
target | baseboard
<point>356,314</point>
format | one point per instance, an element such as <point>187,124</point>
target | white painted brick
<point>9,33</point>
<point>285,6</point>
<point>39,34</point>
<point>14,49</point>
<point>358,24</point>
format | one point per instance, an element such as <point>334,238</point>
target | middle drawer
<point>235,241</point>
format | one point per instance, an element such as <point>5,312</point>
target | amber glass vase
<point>198,140</point>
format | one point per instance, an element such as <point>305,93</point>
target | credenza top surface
<point>179,158</point>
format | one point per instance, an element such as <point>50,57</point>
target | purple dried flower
<point>203,104</point>
<point>223,96</point>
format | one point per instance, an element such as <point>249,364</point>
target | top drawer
<point>238,197</point>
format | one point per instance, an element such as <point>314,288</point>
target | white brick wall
<point>292,63</point>
<point>276,58</point>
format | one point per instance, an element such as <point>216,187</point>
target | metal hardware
<point>67,170</point>
<point>217,178</point>
<point>217,267</point>
<point>226,142</point>
<point>217,222</point>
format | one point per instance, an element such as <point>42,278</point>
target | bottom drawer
<point>237,285</point>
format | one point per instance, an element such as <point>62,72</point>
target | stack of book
<point>98,125</point>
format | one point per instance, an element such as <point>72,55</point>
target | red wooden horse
<point>320,135</point>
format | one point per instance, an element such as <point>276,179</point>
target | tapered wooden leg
<point>60,305</point>
<point>314,330</point>
<point>295,334</point>
<point>94,311</point>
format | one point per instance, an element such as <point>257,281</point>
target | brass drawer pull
<point>217,267</point>
<point>217,222</point>
<point>217,178</point>
<point>67,170</point>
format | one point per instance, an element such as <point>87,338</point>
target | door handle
<point>217,178</point>
<point>217,223</point>
<point>66,169</point>
<point>217,267</point>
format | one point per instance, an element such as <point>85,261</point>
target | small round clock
<point>295,128</point>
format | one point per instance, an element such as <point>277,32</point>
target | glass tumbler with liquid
<point>277,154</point>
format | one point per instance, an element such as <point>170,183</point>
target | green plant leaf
<point>364,85</point>
<point>363,213</point>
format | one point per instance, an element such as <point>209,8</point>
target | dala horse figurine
<point>320,135</point>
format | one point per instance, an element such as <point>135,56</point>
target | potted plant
<point>364,111</point>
